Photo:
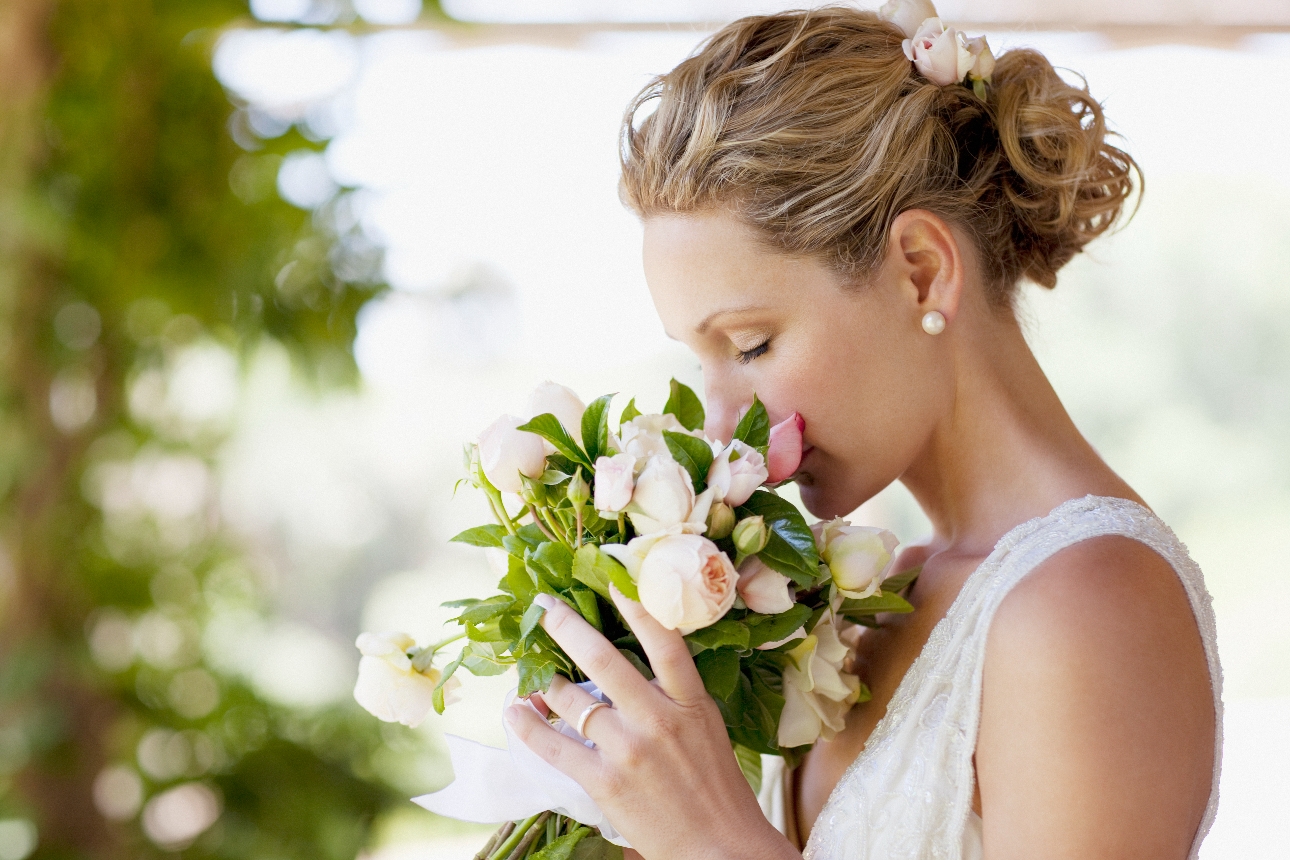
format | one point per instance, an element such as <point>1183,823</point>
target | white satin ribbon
<point>494,785</point>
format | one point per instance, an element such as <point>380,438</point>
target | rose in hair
<point>908,15</point>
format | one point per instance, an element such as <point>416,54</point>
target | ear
<point>929,267</point>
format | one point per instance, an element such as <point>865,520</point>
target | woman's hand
<point>663,770</point>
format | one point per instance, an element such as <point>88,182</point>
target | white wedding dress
<point>908,796</point>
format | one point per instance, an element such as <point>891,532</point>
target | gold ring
<point>586,712</point>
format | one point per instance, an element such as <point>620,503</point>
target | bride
<point>843,231</point>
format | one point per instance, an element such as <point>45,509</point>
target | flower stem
<point>537,520</point>
<point>499,509</point>
<point>505,850</point>
<point>578,540</point>
<point>447,641</point>
<point>501,833</point>
<point>535,830</point>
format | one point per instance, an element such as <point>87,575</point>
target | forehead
<point>699,263</point>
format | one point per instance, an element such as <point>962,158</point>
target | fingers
<point>564,753</point>
<point>595,655</point>
<point>570,701</point>
<point>668,655</point>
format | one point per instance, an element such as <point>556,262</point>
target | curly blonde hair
<point>813,127</point>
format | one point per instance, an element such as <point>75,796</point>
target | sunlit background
<point>466,174</point>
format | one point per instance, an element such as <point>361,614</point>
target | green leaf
<point>592,567</point>
<point>485,536</point>
<point>552,562</point>
<point>489,631</point>
<point>562,848</point>
<point>522,583</point>
<point>902,580</point>
<point>753,428</point>
<point>436,697</point>
<point>685,405</point>
<point>585,598</point>
<point>597,847</point>
<point>486,610</point>
<point>693,453</point>
<point>479,660</point>
<point>595,428</point>
<point>629,412</point>
<point>536,670</point>
<point>791,547</point>
<point>750,763</point>
<point>635,660</point>
<point>728,633</point>
<point>772,628</point>
<point>549,428</point>
<point>532,616</point>
<point>622,580</point>
<point>719,670</point>
<point>883,601</point>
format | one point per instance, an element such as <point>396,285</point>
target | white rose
<point>939,53</point>
<point>764,589</point>
<point>982,59</point>
<point>664,497</point>
<point>684,581</point>
<point>736,471</point>
<point>614,482</point>
<point>859,557</point>
<point>389,686</point>
<point>561,402</point>
<point>642,437</point>
<point>505,453</point>
<point>817,693</point>
<point>907,14</point>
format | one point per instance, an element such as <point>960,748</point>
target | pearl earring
<point>933,322</point>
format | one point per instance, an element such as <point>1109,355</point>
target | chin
<point>821,499</point>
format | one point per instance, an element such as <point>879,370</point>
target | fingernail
<point>546,601</point>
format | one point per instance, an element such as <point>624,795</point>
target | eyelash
<point>747,355</point>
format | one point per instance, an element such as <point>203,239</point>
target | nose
<point>726,404</point>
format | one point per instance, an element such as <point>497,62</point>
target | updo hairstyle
<point>814,128</point>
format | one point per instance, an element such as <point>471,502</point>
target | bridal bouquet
<point>693,529</point>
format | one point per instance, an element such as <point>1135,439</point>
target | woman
<point>842,231</point>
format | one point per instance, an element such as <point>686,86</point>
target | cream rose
<point>505,453</point>
<point>983,59</point>
<point>615,481</point>
<point>939,53</point>
<point>817,693</point>
<point>907,14</point>
<point>389,684</point>
<point>664,497</point>
<point>764,589</point>
<point>643,438</point>
<point>736,471</point>
<point>561,402</point>
<point>684,581</point>
<point>859,557</point>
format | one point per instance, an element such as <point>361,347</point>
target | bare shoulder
<point>1097,728</point>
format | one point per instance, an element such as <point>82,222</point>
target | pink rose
<point>764,589</point>
<point>736,472</point>
<point>785,452</point>
<point>614,482</point>
<point>940,54</point>
<point>684,580</point>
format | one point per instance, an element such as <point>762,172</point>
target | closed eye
<point>747,355</point>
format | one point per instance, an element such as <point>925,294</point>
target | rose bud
<point>750,535</point>
<point>561,402</point>
<point>763,588</point>
<point>721,521</point>
<point>505,453</point>
<point>785,451</point>
<point>614,482</point>
<point>579,490</point>
<point>859,557</point>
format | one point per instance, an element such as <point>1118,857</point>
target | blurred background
<point>264,268</point>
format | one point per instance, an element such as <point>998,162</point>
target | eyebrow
<point>707,321</point>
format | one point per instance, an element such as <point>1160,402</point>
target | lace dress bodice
<point>909,793</point>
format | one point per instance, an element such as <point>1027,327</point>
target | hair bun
<point>1065,182</point>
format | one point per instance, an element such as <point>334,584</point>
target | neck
<point>1006,451</point>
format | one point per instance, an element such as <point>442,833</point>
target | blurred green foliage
<point>123,245</point>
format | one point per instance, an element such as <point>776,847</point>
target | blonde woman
<point>838,209</point>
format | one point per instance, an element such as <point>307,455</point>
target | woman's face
<point>852,359</point>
